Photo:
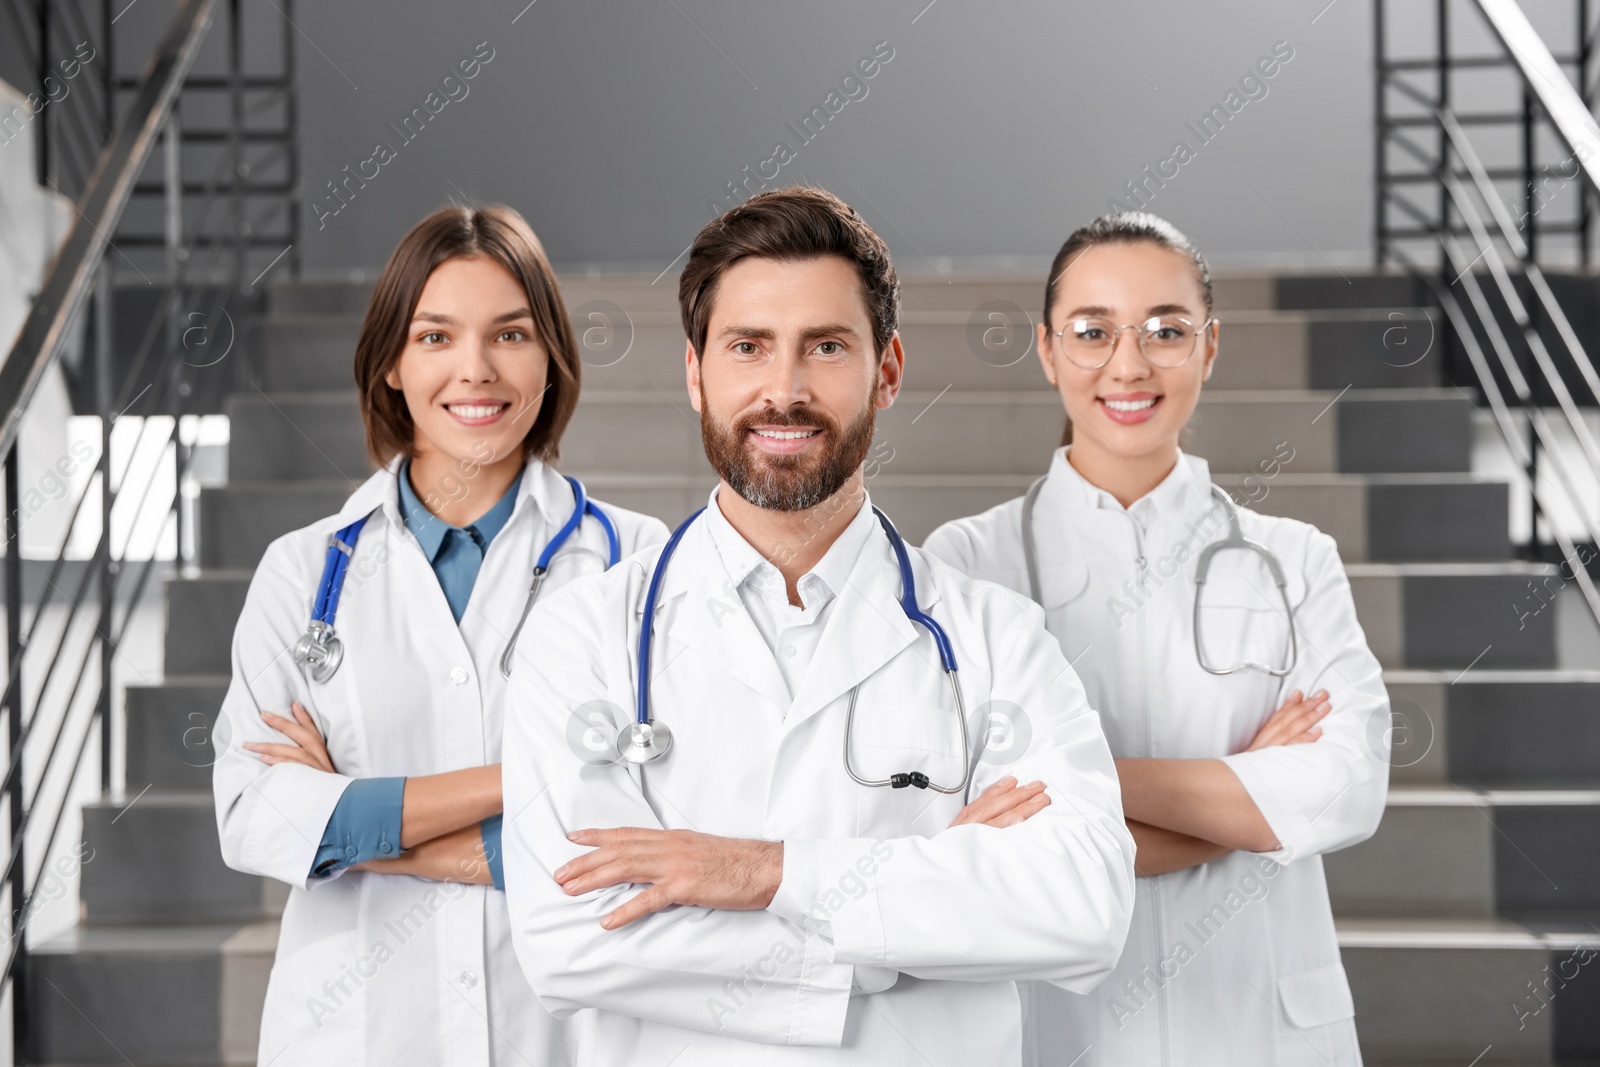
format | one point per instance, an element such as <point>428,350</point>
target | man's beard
<point>796,482</point>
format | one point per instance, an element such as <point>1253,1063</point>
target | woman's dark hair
<point>1124,227</point>
<point>789,224</point>
<point>500,234</point>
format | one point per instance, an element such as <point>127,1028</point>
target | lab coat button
<point>458,676</point>
<point>788,650</point>
<point>469,979</point>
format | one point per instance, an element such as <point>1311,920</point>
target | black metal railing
<point>139,368</point>
<point>1500,311</point>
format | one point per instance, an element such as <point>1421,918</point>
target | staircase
<point>1478,889</point>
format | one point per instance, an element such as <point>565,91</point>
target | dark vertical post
<point>102,559</point>
<point>1530,198</point>
<point>1443,95</point>
<point>291,123</point>
<point>21,1037</point>
<point>43,61</point>
<point>241,227</point>
<point>108,74</point>
<point>1585,194</point>
<point>1380,233</point>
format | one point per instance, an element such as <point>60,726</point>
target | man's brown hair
<point>789,224</point>
<point>500,234</point>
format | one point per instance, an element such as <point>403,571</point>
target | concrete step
<point>1353,291</point>
<point>169,730</point>
<point>1451,852</point>
<point>183,995</point>
<point>1379,431</point>
<point>1463,615</point>
<point>156,858</point>
<point>201,613</point>
<point>240,520</point>
<point>1461,991</point>
<point>1232,291</point>
<point>1490,729</point>
<point>1388,518</point>
<point>988,345</point>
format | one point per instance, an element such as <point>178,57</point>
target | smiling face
<point>1130,407</point>
<point>789,383</point>
<point>472,370</point>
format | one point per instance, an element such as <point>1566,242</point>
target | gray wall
<point>992,132</point>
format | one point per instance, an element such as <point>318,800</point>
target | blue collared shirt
<point>455,552</point>
<point>365,823</point>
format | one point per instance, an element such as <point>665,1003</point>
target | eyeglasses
<point>1166,340</point>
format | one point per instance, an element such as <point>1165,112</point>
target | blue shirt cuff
<point>365,825</point>
<point>490,829</point>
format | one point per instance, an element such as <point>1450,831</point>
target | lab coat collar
<point>741,558</point>
<point>543,487</point>
<point>1183,492</point>
<point>865,628</point>
<point>430,529</point>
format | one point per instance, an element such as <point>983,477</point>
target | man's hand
<point>680,867</point>
<point>308,747</point>
<point>1295,723</point>
<point>1004,803</point>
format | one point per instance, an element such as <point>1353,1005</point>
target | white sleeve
<point>747,974</point>
<point>952,544</point>
<point>1050,898</point>
<point>270,818</point>
<point>636,530</point>
<point>1330,793</point>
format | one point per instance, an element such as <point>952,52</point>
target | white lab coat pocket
<point>899,738</point>
<point>901,727</point>
<point>1061,583</point>
<point>1232,634</point>
<point>1316,997</point>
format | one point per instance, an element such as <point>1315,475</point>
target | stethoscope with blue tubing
<point>646,739</point>
<point>1235,539</point>
<point>320,649</point>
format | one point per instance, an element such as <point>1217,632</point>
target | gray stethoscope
<point>1234,539</point>
<point>646,739</point>
<point>320,649</point>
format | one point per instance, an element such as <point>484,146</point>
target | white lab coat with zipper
<point>1235,961</point>
<point>892,939</point>
<point>381,969</point>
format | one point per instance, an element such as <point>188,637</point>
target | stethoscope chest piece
<point>319,650</point>
<point>644,742</point>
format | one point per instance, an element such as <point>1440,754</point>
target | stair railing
<point>164,382</point>
<point>1505,318</point>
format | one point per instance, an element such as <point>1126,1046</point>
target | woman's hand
<point>458,856</point>
<point>1295,723</point>
<point>1005,803</point>
<point>308,747</point>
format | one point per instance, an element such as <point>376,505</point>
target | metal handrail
<point>1516,291</point>
<point>78,272</point>
<point>1543,77</point>
<point>71,274</point>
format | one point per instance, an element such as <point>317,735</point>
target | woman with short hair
<point>362,757</point>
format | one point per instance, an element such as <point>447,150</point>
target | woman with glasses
<point>1221,647</point>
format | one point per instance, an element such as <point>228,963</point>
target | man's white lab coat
<point>915,932</point>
